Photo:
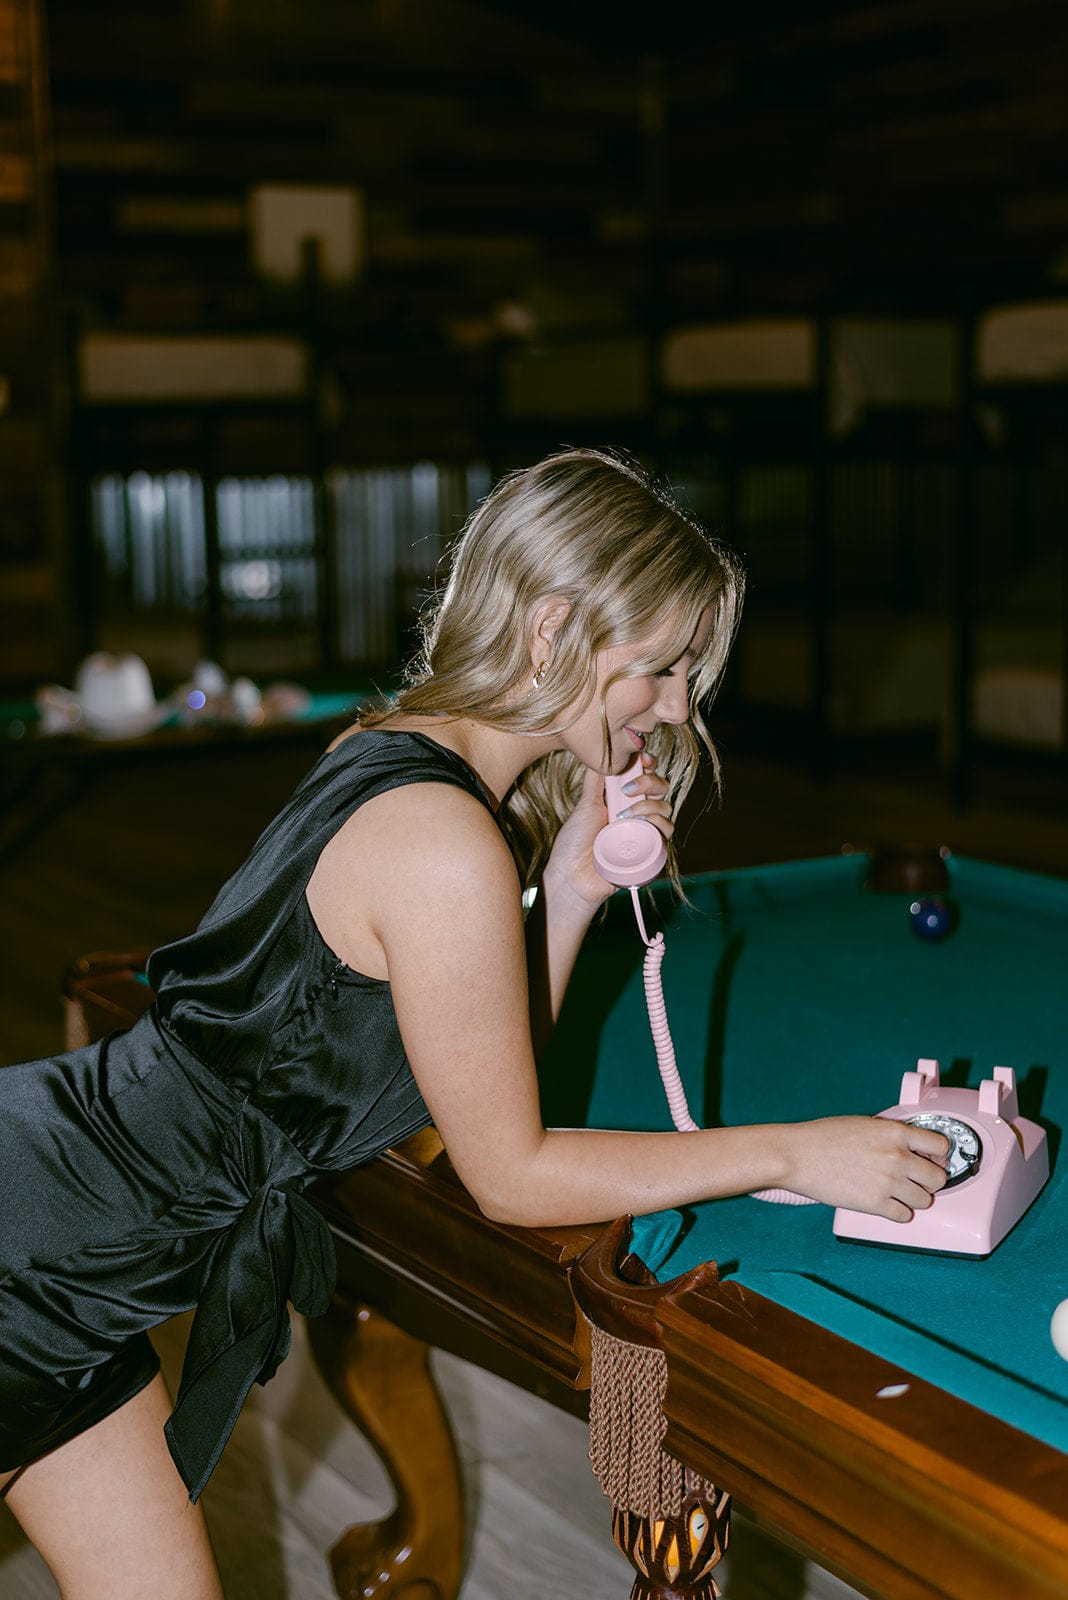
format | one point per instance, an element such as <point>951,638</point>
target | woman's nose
<point>673,702</point>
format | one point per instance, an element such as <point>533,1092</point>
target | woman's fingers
<point>647,797</point>
<point>927,1142</point>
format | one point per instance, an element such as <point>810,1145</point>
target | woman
<point>368,968</point>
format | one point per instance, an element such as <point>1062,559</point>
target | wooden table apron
<point>912,1498</point>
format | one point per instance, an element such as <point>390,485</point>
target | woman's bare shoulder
<point>428,849</point>
<point>417,825</point>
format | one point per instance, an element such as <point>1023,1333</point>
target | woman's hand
<point>873,1164</point>
<point>570,869</point>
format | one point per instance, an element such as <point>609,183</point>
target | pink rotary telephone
<point>998,1162</point>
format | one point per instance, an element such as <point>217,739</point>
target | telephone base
<point>971,1216</point>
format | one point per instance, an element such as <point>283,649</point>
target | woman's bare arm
<point>441,894</point>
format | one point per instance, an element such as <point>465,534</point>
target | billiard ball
<point>931,918</point>
<point>1058,1329</point>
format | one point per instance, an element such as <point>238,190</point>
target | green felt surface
<point>793,993</point>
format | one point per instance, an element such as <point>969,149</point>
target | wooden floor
<point>133,861</point>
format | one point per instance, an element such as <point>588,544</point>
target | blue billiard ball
<point>931,918</point>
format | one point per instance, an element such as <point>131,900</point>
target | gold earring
<point>539,674</point>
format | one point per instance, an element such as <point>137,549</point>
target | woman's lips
<point>636,738</point>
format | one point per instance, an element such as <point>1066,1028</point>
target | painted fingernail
<point>621,816</point>
<point>629,788</point>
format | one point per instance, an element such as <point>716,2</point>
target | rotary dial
<point>965,1145</point>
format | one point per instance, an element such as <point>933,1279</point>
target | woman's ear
<point>548,615</point>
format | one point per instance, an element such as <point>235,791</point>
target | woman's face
<point>634,705</point>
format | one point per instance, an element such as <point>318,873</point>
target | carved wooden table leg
<point>670,1522</point>
<point>675,1557</point>
<point>381,1377</point>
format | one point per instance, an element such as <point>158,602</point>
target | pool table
<point>900,1415</point>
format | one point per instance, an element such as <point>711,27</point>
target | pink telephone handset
<point>631,854</point>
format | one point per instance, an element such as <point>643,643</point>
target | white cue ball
<point>1058,1329</point>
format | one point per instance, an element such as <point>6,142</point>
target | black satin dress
<point>163,1168</point>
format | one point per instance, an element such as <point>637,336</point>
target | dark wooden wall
<point>586,168</point>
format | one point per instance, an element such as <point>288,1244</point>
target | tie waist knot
<point>277,1249</point>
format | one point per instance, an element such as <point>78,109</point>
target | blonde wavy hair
<point>594,529</point>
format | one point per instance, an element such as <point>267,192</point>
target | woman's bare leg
<point>110,1514</point>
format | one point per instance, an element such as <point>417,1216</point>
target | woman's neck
<point>496,755</point>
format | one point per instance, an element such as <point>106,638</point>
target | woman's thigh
<point>110,1514</point>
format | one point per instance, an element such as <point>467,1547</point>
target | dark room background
<point>286,284</point>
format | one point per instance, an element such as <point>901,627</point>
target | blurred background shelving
<point>285,287</point>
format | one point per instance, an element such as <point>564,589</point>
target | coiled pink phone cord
<point>665,1050</point>
<point>658,1023</point>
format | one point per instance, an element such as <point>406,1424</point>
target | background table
<point>43,775</point>
<point>793,993</point>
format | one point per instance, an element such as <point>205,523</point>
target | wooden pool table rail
<point>909,1497</point>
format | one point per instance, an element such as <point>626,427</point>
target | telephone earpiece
<point>632,852</point>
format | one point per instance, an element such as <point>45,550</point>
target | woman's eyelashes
<point>676,666</point>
